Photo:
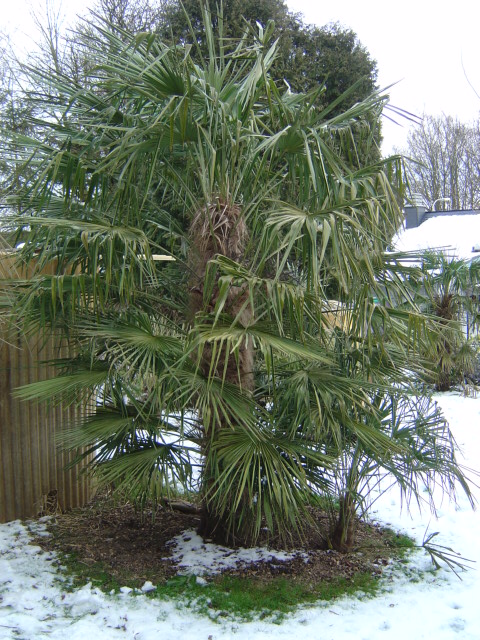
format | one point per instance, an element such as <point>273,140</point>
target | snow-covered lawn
<point>34,605</point>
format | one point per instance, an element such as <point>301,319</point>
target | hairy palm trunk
<point>218,229</point>
<point>343,536</point>
<point>445,312</point>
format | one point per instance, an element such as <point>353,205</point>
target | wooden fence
<point>33,475</point>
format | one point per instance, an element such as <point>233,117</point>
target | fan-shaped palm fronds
<point>232,355</point>
<point>450,295</point>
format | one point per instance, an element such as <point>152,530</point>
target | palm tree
<point>449,286</point>
<point>198,217</point>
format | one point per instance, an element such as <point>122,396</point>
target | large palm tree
<point>198,217</point>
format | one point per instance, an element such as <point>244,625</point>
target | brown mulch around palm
<point>134,547</point>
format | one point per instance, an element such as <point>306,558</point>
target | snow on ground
<point>193,556</point>
<point>35,605</point>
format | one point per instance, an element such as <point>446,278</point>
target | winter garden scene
<point>239,351</point>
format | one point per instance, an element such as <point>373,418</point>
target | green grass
<point>243,598</point>
<point>284,595</point>
<point>248,598</point>
<point>399,541</point>
<point>79,573</point>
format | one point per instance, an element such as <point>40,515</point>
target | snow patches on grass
<point>193,556</point>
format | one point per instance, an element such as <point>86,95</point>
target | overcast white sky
<point>418,44</point>
<point>429,48</point>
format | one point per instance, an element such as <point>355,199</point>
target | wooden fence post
<point>33,477</point>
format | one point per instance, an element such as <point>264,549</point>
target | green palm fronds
<point>266,353</point>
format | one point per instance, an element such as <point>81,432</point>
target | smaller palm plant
<point>449,286</point>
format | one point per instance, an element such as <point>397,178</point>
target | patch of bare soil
<point>134,547</point>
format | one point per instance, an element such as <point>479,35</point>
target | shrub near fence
<point>33,475</point>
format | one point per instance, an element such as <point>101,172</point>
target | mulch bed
<point>128,543</point>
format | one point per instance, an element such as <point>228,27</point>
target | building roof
<point>454,212</point>
<point>456,232</point>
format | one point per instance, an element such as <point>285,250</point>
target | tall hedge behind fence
<point>33,477</point>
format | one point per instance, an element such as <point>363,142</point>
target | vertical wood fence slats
<point>31,463</point>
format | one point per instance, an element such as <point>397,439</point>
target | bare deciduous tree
<point>444,161</point>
